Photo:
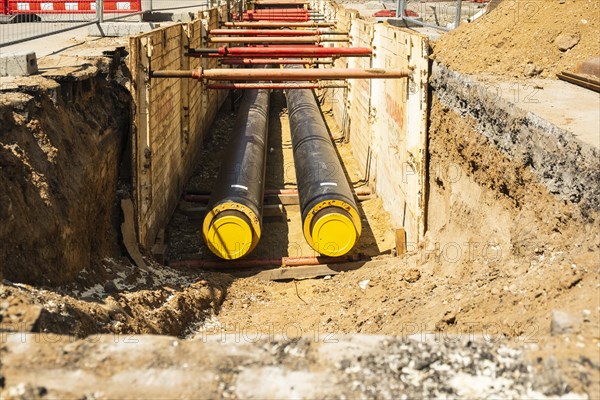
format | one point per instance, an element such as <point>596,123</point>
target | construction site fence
<point>441,15</point>
<point>24,20</point>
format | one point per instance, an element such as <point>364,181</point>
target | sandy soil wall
<point>505,184</point>
<point>564,164</point>
<point>61,144</point>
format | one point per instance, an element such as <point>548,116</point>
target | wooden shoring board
<point>580,80</point>
<point>304,272</point>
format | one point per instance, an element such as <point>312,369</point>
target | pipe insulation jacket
<point>330,219</point>
<point>232,226</point>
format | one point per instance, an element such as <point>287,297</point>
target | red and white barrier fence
<point>12,7</point>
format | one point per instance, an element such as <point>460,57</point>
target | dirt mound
<point>116,298</point>
<point>521,38</point>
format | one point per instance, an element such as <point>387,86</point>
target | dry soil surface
<point>542,306</point>
<point>524,38</point>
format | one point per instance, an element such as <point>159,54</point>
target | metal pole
<point>279,75</point>
<point>203,197</point>
<point>274,32</point>
<point>247,263</point>
<point>275,3</point>
<point>273,24</point>
<point>278,61</point>
<point>400,8</point>
<point>273,39</point>
<point>100,11</point>
<point>291,85</point>
<point>458,13</point>
<point>297,51</point>
<point>250,18</point>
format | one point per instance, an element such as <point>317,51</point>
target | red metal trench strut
<point>273,32</point>
<point>277,86</point>
<point>283,51</point>
<point>275,24</point>
<point>281,19</point>
<point>279,61</point>
<point>274,39</point>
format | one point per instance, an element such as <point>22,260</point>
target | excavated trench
<point>501,253</point>
<point>282,233</point>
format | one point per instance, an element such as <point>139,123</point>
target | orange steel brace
<point>274,24</point>
<point>279,75</point>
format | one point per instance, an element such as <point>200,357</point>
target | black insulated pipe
<point>330,218</point>
<point>233,223</point>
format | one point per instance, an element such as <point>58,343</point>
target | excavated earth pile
<point>524,39</point>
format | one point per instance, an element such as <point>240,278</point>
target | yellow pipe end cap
<point>334,234</point>
<point>229,237</point>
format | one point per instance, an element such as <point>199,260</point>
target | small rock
<point>562,322</point>
<point>412,275</point>
<point>566,41</point>
<point>364,284</point>
<point>448,319</point>
<point>111,287</point>
<point>586,315</point>
<point>532,70</point>
<point>25,391</point>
